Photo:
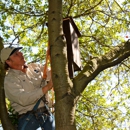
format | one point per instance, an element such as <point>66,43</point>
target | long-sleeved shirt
<point>24,89</point>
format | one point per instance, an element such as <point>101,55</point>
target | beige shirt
<point>24,90</point>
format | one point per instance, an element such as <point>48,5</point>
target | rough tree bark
<point>65,105</point>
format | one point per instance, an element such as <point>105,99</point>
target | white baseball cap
<point>8,51</point>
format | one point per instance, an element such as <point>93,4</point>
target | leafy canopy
<point>103,25</point>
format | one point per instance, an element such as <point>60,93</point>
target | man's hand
<point>47,87</point>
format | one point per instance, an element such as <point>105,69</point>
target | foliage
<point>12,114</point>
<point>103,24</point>
<point>105,102</point>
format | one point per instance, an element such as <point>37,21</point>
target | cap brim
<point>18,48</point>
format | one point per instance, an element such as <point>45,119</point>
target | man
<point>26,90</point>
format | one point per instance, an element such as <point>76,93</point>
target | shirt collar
<point>16,71</point>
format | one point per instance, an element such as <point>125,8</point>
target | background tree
<point>3,109</point>
<point>100,92</point>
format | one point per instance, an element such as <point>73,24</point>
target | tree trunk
<point>6,123</point>
<point>65,106</point>
<point>65,111</point>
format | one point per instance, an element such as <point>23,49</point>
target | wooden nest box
<point>73,53</point>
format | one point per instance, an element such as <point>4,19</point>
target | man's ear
<point>8,62</point>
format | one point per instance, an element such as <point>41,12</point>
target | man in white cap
<point>25,89</point>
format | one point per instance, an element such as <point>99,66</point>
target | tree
<point>101,24</point>
<point>3,115</point>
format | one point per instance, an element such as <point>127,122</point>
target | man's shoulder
<point>12,72</point>
<point>34,65</point>
<point>11,75</point>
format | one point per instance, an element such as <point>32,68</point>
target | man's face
<point>16,59</point>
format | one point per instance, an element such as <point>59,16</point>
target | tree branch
<point>98,64</point>
<point>86,12</point>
